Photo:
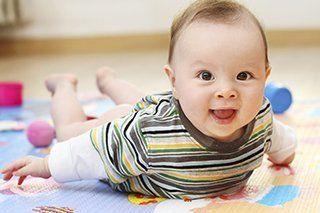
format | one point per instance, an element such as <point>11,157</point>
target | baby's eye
<point>243,76</point>
<point>206,76</point>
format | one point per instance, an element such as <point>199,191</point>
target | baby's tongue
<point>223,113</point>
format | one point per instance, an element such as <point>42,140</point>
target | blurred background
<point>42,37</point>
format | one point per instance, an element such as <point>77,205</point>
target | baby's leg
<point>74,129</point>
<point>67,113</point>
<point>119,90</point>
<point>65,107</point>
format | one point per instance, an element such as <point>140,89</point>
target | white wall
<point>286,14</point>
<point>66,18</point>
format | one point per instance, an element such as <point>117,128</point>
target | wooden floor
<point>296,67</point>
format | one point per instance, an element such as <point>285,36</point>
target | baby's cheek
<point>254,98</point>
<point>251,107</point>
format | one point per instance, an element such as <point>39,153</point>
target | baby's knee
<point>65,132</point>
<point>124,108</point>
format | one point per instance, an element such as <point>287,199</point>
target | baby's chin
<point>225,138</point>
<point>227,134</point>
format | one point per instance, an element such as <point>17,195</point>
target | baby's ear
<point>172,78</point>
<point>268,72</point>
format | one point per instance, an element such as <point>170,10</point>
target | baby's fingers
<point>21,179</point>
<point>15,165</point>
<point>7,176</point>
<point>24,171</point>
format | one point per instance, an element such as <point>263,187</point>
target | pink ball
<point>40,133</point>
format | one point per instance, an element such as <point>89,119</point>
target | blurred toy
<point>40,133</point>
<point>11,126</point>
<point>11,93</point>
<point>279,96</point>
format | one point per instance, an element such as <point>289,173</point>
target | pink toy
<point>11,93</point>
<point>40,133</point>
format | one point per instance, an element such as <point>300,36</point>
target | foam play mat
<point>270,189</point>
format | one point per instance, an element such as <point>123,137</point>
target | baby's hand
<point>29,165</point>
<point>286,162</point>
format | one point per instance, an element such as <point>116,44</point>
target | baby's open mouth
<point>224,116</point>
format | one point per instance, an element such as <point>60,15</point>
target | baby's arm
<point>284,143</point>
<point>74,159</point>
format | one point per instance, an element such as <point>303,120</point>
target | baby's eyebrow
<point>254,65</point>
<point>200,62</point>
<point>197,62</point>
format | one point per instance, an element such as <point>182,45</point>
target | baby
<point>203,138</point>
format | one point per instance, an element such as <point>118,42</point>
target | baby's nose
<point>226,94</point>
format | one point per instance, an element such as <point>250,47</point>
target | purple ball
<point>40,133</point>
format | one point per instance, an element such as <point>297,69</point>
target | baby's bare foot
<point>104,76</point>
<point>60,79</point>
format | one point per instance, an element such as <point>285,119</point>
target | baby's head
<point>218,65</point>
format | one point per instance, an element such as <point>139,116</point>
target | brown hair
<point>223,11</point>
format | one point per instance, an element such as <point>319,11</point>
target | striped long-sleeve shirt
<point>156,150</point>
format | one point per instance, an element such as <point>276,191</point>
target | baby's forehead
<point>203,34</point>
<point>244,22</point>
<point>211,32</point>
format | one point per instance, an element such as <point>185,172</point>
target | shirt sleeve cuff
<point>289,144</point>
<point>76,159</point>
<point>60,163</point>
